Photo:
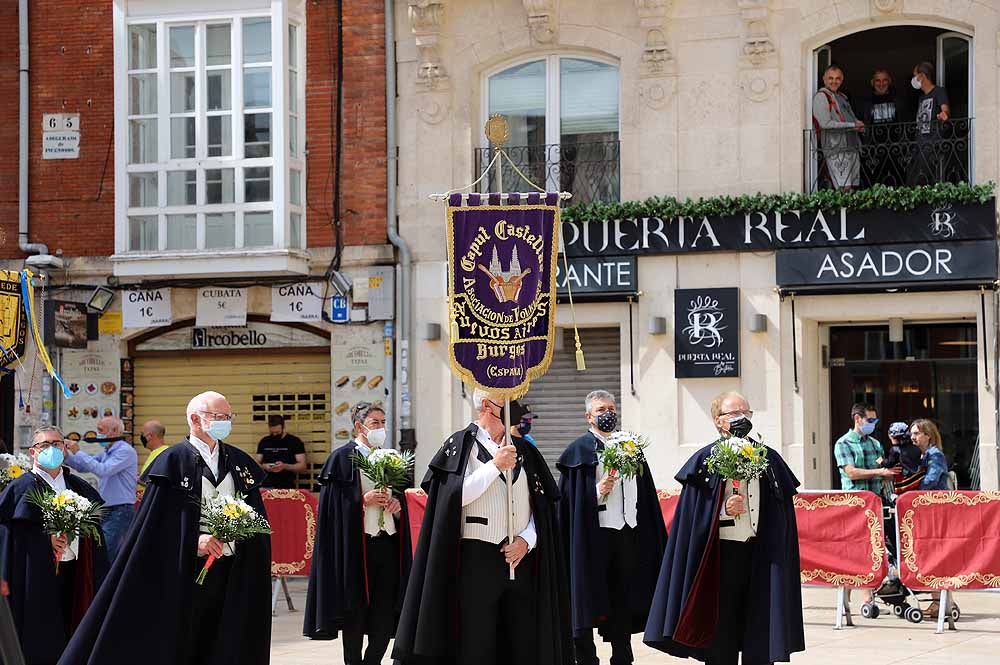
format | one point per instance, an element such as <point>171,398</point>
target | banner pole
<point>510,482</point>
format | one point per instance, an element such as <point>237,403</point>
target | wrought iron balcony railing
<point>591,170</point>
<point>894,154</point>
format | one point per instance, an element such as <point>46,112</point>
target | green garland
<point>878,197</point>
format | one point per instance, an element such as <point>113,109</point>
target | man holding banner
<point>488,582</point>
<point>461,606</point>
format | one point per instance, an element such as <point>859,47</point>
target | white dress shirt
<point>621,502</point>
<point>478,481</point>
<point>58,484</point>
<point>225,486</point>
<point>744,526</point>
<point>370,517</point>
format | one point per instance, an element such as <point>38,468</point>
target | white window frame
<point>284,256</point>
<point>553,117</point>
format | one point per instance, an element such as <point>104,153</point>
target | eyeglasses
<point>45,445</point>
<point>746,414</point>
<point>218,416</point>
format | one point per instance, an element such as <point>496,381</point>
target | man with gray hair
<point>613,537</point>
<point>117,471</point>
<point>46,601</point>
<point>225,620</point>
<point>461,606</point>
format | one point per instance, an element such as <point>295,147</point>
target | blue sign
<point>339,310</point>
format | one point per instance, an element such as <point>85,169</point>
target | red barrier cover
<point>949,540</point>
<point>841,539</point>
<point>292,514</point>
<point>668,504</point>
<point>416,501</point>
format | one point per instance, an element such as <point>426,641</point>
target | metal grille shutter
<point>296,385</point>
<point>558,397</point>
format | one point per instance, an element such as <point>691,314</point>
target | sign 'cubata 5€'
<point>502,288</point>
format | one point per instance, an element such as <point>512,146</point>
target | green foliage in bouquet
<point>13,467</point>
<point>623,454</point>
<point>387,469</point>
<point>738,459</point>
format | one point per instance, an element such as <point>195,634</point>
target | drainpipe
<point>407,435</point>
<point>22,135</point>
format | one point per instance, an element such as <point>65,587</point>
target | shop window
<point>563,113</point>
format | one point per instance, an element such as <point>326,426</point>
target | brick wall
<point>72,201</point>
<point>363,184</point>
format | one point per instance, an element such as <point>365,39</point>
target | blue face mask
<point>104,444</point>
<point>524,427</point>
<point>218,429</point>
<point>51,458</point>
<point>867,427</point>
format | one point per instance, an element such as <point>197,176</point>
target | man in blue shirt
<point>116,468</point>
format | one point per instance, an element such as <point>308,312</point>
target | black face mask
<point>145,441</point>
<point>740,427</point>
<point>607,421</point>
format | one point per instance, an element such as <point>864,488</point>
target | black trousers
<point>496,614</point>
<point>205,617</point>
<point>621,547</point>
<point>734,587</point>
<point>378,620</point>
<point>66,588</point>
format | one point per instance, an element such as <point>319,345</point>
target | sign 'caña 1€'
<point>757,231</point>
<point>502,289</point>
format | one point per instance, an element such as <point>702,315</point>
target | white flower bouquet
<point>230,519</point>
<point>13,467</point>
<point>624,454</point>
<point>387,469</point>
<point>67,513</point>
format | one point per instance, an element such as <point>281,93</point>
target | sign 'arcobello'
<point>502,285</point>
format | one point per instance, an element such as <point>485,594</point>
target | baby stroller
<point>892,594</point>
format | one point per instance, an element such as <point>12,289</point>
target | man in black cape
<point>730,584</point>
<point>47,606</point>
<point>359,569</point>
<point>150,609</point>
<point>613,535</point>
<point>460,607</point>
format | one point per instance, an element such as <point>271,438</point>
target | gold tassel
<point>581,364</point>
<point>454,330</point>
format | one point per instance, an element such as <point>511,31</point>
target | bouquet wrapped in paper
<point>624,454</point>
<point>13,467</point>
<point>388,470</point>
<point>66,513</point>
<point>738,459</point>
<point>230,519</point>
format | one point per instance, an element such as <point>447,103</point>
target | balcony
<point>891,154</point>
<point>591,171</point>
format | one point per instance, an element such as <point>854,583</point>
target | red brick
<point>72,201</point>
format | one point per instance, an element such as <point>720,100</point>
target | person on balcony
<point>837,131</point>
<point>882,113</point>
<point>932,112</point>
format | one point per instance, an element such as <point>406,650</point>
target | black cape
<point>140,613</point>
<point>337,579</point>
<point>429,622</point>
<point>684,616</point>
<point>27,564</point>
<point>586,555</point>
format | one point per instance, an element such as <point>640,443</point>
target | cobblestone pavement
<point>882,641</point>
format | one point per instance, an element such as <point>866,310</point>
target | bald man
<point>116,468</point>
<point>225,621</point>
<point>152,436</point>
<point>729,580</point>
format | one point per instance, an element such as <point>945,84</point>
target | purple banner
<point>502,288</point>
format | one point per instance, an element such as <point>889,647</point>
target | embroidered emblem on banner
<point>13,323</point>
<point>502,289</point>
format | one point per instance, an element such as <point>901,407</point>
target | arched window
<point>564,125</point>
